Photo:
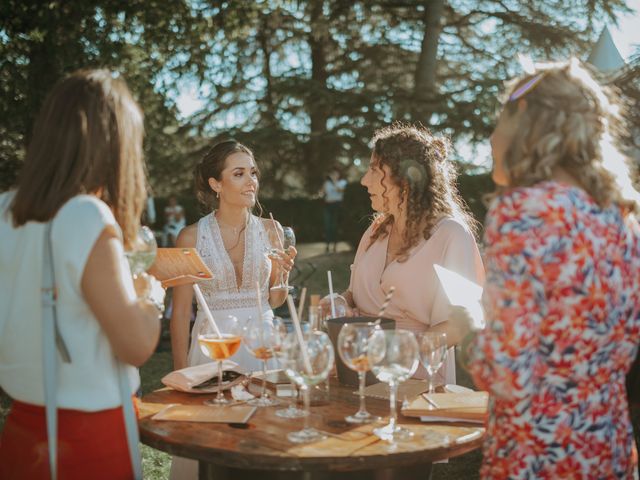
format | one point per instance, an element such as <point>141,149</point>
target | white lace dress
<point>225,298</point>
<point>222,294</point>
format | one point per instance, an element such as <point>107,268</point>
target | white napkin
<point>185,379</point>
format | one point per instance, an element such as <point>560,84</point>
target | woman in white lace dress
<point>233,243</point>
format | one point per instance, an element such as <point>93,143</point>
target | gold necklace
<point>237,232</point>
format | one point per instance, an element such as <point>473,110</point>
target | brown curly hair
<point>570,122</point>
<point>419,165</point>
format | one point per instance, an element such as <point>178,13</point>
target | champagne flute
<point>292,411</point>
<point>353,343</point>
<point>307,368</point>
<point>261,339</point>
<point>433,351</point>
<point>393,355</point>
<point>219,349</point>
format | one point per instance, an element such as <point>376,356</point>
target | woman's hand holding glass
<point>353,344</point>
<point>140,257</point>
<point>220,348</point>
<point>307,365</point>
<point>393,356</point>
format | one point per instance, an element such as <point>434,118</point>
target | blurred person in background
<point>333,193</point>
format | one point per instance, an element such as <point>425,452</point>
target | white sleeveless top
<point>223,293</point>
<point>90,381</point>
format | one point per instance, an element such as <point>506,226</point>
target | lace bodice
<point>222,293</point>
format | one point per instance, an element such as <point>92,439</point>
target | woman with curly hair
<point>420,221</point>
<point>561,295</point>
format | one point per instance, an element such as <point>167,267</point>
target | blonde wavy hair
<point>419,165</point>
<point>570,122</point>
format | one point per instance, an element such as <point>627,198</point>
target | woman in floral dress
<point>562,292</point>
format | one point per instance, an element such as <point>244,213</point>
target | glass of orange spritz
<point>219,348</point>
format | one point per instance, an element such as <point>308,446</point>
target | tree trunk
<point>269,112</point>
<point>425,91</point>
<point>316,159</point>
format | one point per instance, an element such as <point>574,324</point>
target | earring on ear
<point>218,195</point>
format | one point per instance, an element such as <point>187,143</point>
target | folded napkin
<point>188,379</point>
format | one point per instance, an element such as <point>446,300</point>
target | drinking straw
<point>296,325</point>
<point>205,309</point>
<point>333,303</point>
<point>260,314</point>
<point>301,303</point>
<point>385,304</point>
<point>275,227</point>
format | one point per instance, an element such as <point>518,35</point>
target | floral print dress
<point>562,299</point>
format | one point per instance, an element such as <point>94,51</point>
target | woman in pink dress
<point>561,296</point>
<point>420,221</point>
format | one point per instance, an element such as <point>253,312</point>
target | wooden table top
<point>263,443</point>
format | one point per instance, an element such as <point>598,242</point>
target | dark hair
<point>211,166</point>
<point>419,165</point>
<point>87,138</point>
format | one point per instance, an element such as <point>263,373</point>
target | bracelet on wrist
<point>158,306</point>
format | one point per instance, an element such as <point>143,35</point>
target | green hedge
<point>305,215</point>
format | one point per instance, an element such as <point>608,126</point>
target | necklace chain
<point>237,231</point>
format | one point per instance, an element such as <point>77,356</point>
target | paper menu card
<point>179,266</point>
<point>471,406</point>
<point>462,292</point>
<point>204,413</point>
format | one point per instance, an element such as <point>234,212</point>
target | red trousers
<point>91,445</point>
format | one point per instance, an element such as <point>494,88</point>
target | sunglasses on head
<point>527,86</point>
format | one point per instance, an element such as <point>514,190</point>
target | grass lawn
<point>312,274</point>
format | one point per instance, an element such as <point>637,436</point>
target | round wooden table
<point>260,450</point>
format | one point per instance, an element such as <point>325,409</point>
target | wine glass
<point>220,348</point>
<point>307,365</point>
<point>353,343</point>
<point>340,305</point>
<point>261,339</point>
<point>143,251</point>
<point>393,355</point>
<point>288,240</point>
<point>433,351</point>
<point>292,411</point>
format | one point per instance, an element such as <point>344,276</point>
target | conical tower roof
<point>605,56</point>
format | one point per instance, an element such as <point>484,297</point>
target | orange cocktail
<point>219,348</point>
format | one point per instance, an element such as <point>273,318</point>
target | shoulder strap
<point>50,337</point>
<point>50,334</point>
<point>130,421</point>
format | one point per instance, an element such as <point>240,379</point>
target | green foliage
<point>304,83</point>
